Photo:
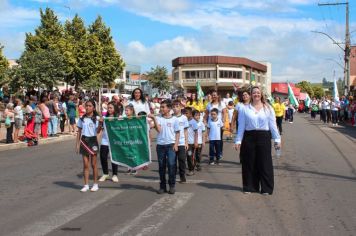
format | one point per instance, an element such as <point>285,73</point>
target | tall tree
<point>111,62</point>
<point>42,68</point>
<point>306,87</point>
<point>318,91</point>
<point>158,77</point>
<point>4,65</point>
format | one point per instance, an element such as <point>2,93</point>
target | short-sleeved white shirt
<point>220,108</point>
<point>89,129</point>
<point>215,129</point>
<point>18,112</point>
<point>191,131</point>
<point>167,134</point>
<point>139,106</point>
<point>180,126</point>
<point>200,128</point>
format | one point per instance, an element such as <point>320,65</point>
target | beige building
<point>219,72</point>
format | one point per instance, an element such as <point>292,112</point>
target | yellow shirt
<point>279,109</point>
<point>196,105</point>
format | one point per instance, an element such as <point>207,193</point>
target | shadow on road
<point>66,184</point>
<point>298,170</point>
<point>220,186</point>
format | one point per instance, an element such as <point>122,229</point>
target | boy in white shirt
<point>199,138</point>
<point>181,145</point>
<point>191,140</point>
<point>214,131</point>
<point>166,140</point>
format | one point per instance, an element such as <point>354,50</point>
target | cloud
<point>14,17</point>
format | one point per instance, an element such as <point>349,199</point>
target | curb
<point>6,147</point>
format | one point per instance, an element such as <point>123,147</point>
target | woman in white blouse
<point>139,102</point>
<point>257,126</point>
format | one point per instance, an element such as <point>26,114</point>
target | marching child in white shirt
<point>214,131</point>
<point>166,139</point>
<point>181,145</point>
<point>87,143</point>
<point>191,140</point>
<point>199,138</point>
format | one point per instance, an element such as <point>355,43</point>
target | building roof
<point>219,60</point>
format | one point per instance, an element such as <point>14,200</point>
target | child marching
<point>166,140</point>
<point>215,127</point>
<point>87,143</point>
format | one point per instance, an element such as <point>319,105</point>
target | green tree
<point>42,68</point>
<point>111,64</point>
<point>4,65</point>
<point>306,87</point>
<point>158,77</point>
<point>318,91</point>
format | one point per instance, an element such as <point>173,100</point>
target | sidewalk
<point>5,147</point>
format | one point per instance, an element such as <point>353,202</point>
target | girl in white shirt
<point>257,125</point>
<point>87,143</point>
<point>104,148</point>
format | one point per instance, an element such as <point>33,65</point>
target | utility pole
<point>347,49</point>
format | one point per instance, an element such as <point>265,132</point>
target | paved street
<point>315,189</point>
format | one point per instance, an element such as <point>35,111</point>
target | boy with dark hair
<point>181,144</point>
<point>215,125</point>
<point>166,140</point>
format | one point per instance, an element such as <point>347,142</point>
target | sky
<point>154,32</point>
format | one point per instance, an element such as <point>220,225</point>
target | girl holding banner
<point>112,111</point>
<point>87,143</point>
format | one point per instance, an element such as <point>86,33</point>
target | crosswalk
<point>145,222</point>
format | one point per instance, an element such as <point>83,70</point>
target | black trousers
<point>9,131</point>
<point>62,120</point>
<point>104,154</point>
<point>181,158</point>
<point>328,115</point>
<point>193,157</point>
<point>279,123</point>
<point>256,160</point>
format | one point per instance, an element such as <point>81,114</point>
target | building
<point>219,72</point>
<point>281,90</point>
<point>353,70</point>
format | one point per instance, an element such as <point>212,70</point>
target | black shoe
<point>217,162</point>
<point>161,191</point>
<point>172,190</point>
<point>198,168</point>
<point>183,181</point>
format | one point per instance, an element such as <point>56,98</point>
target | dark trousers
<point>181,158</point>
<point>9,131</point>
<point>328,115</point>
<point>166,158</point>
<point>215,149</point>
<point>256,160</point>
<point>334,115</point>
<point>323,115</point>
<point>62,120</point>
<point>279,123</point>
<point>290,114</point>
<point>193,157</point>
<point>286,117</point>
<point>313,114</point>
<point>222,141</point>
<point>104,155</point>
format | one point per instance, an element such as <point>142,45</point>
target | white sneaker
<point>103,178</point>
<point>85,188</point>
<point>115,178</point>
<point>94,188</point>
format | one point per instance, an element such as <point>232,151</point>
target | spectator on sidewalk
<point>18,112</point>
<point>53,120</point>
<point>2,110</point>
<point>9,114</point>
<point>62,110</point>
<point>45,117</point>
<point>29,116</point>
<point>71,112</point>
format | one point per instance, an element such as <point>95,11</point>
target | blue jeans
<point>334,115</point>
<point>167,158</point>
<point>53,125</point>
<point>215,149</point>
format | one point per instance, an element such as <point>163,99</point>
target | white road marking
<point>88,202</point>
<point>149,221</point>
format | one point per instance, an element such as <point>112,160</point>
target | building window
<point>229,74</point>
<point>199,74</point>
<point>247,76</point>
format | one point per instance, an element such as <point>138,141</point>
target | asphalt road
<point>315,189</point>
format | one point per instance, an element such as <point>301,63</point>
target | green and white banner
<point>128,141</point>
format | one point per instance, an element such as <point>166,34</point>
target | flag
<point>200,92</point>
<point>253,81</point>
<point>128,141</point>
<point>335,92</point>
<point>307,100</point>
<point>291,96</point>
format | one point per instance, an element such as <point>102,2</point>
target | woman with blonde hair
<point>257,126</point>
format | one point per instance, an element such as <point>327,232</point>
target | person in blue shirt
<point>257,126</point>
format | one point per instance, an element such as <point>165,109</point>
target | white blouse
<point>251,119</point>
